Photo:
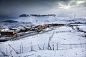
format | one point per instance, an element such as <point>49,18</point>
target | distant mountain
<point>42,15</point>
<point>36,15</point>
<point>26,23</point>
<point>77,20</point>
<point>23,15</point>
<point>11,21</point>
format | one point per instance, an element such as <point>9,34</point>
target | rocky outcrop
<point>23,15</point>
<point>42,15</point>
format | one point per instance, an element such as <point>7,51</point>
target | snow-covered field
<point>61,42</point>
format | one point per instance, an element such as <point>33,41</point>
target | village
<point>17,31</point>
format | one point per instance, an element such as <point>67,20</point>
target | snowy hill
<point>63,41</point>
<point>13,23</point>
<point>41,20</point>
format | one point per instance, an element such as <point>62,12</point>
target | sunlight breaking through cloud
<point>70,4</point>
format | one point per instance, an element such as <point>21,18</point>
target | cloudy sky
<point>13,8</point>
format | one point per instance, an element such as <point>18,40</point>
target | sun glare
<point>80,2</point>
<point>66,7</point>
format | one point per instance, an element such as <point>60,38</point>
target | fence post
<point>43,46</point>
<point>20,49</point>
<point>57,46</point>
<point>31,48</point>
<point>53,46</point>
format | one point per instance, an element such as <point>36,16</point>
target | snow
<point>83,27</point>
<point>5,29</point>
<point>63,40</point>
<point>61,35</point>
<point>79,52</point>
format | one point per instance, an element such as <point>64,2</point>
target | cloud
<point>13,8</point>
<point>71,4</point>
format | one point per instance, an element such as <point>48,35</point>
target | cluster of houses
<point>15,30</point>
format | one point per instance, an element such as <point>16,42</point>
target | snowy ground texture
<point>61,42</point>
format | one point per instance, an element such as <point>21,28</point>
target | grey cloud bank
<point>13,8</point>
